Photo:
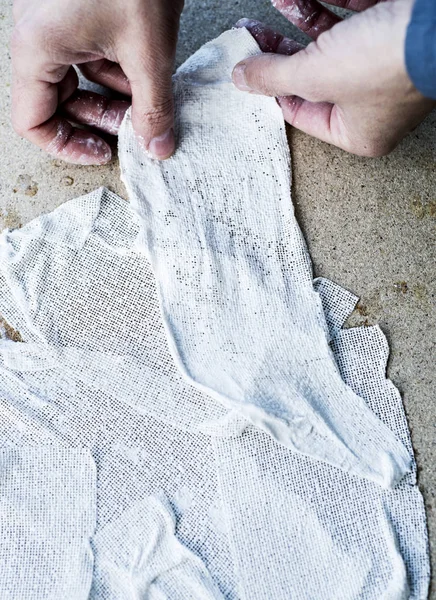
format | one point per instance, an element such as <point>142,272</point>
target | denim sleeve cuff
<point>421,47</point>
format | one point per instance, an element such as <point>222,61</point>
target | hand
<point>350,86</point>
<point>126,45</point>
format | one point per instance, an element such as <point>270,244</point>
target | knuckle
<point>264,77</point>
<point>155,115</point>
<point>18,126</point>
<point>323,43</point>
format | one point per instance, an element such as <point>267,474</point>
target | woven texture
<point>47,517</point>
<point>233,273</point>
<point>181,496</point>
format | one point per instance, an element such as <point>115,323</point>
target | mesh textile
<point>249,508</point>
<point>233,273</point>
<point>47,516</point>
<point>181,490</point>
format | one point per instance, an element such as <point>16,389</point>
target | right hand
<point>128,46</point>
<point>349,87</point>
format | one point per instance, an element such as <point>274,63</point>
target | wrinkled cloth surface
<point>234,275</point>
<point>181,494</point>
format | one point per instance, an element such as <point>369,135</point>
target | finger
<point>150,76</point>
<point>308,15</point>
<point>68,85</point>
<point>37,87</point>
<point>304,74</point>
<point>268,39</point>
<point>95,110</point>
<point>107,73</point>
<point>60,139</point>
<point>356,5</point>
<point>34,106</point>
<point>314,118</point>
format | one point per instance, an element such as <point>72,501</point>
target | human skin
<point>126,45</point>
<point>349,87</point>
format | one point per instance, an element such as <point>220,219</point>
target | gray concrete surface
<point>370,224</point>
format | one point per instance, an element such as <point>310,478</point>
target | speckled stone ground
<point>370,223</point>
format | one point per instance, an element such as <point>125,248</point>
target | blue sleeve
<point>421,47</point>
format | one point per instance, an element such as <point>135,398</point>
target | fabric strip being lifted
<point>234,277</point>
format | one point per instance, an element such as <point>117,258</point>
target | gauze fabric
<point>93,373</point>
<point>47,517</point>
<point>78,288</point>
<point>234,275</point>
<point>265,522</point>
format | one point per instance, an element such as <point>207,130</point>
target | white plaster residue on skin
<point>294,14</point>
<point>111,120</point>
<point>57,143</point>
<point>101,114</point>
<point>85,151</point>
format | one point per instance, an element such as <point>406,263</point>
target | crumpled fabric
<point>170,472</point>
<point>233,273</point>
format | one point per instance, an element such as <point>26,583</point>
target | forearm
<point>421,47</point>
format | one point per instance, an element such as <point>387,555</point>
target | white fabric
<point>233,273</point>
<point>250,518</point>
<point>139,556</point>
<point>47,517</point>
<point>239,498</point>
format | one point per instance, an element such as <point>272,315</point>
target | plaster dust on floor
<point>370,223</point>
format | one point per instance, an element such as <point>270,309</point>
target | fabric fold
<point>139,556</point>
<point>100,376</point>
<point>243,322</point>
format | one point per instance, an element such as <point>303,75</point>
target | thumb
<point>152,101</point>
<point>278,75</point>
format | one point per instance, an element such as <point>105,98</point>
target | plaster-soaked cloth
<point>94,370</point>
<point>47,519</point>
<point>74,297</point>
<point>139,556</point>
<point>319,511</point>
<point>234,277</point>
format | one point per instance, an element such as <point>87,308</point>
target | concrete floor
<point>370,223</point>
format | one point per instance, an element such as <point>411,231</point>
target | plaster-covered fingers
<point>62,140</point>
<point>34,117</point>
<point>268,39</point>
<point>308,15</point>
<point>107,73</point>
<point>95,110</point>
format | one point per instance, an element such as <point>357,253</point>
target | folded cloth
<point>233,273</point>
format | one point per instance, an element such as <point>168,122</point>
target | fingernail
<point>244,22</point>
<point>162,146</point>
<point>238,77</point>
